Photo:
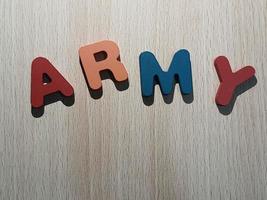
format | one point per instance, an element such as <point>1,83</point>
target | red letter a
<point>48,86</point>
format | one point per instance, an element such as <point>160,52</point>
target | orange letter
<point>100,57</point>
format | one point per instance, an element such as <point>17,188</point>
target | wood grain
<point>116,147</point>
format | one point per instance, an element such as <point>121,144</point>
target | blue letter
<point>179,72</point>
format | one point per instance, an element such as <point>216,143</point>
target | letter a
<point>46,81</point>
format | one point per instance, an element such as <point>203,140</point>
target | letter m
<point>179,72</point>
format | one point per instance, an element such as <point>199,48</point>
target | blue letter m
<point>179,72</point>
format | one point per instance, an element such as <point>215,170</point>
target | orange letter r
<point>100,57</point>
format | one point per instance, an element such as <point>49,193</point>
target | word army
<point>101,60</point>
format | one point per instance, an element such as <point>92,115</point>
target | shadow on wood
<point>227,110</point>
<point>168,99</point>
<point>52,98</point>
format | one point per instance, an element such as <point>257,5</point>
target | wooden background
<point>116,147</point>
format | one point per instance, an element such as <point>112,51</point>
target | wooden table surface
<point>117,147</point>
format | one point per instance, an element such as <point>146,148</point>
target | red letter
<point>229,80</point>
<point>41,69</point>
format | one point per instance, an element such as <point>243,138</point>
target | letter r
<point>99,57</point>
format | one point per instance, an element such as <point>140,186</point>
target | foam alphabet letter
<point>229,80</point>
<point>46,81</point>
<point>179,71</point>
<point>102,57</point>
